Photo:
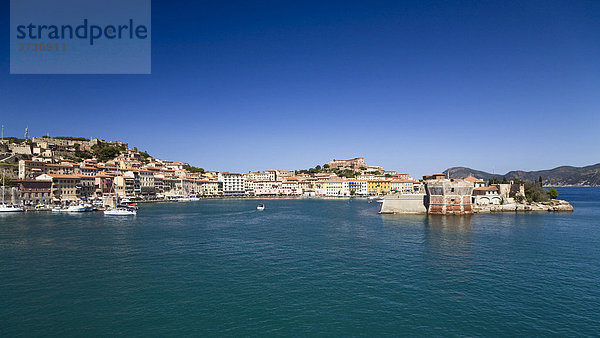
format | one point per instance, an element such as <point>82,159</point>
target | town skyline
<point>262,167</point>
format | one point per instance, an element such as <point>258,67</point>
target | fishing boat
<point>260,207</point>
<point>8,207</point>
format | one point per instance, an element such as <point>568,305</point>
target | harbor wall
<point>404,204</point>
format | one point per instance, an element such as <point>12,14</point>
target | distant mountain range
<point>561,176</point>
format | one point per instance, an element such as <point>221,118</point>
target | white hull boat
<point>72,208</point>
<point>10,208</point>
<point>7,207</point>
<point>120,212</point>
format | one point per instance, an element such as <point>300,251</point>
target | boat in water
<point>8,207</point>
<point>121,209</point>
<point>260,207</point>
<point>120,212</point>
<point>71,208</point>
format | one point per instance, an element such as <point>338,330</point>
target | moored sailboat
<point>119,210</point>
<point>8,207</point>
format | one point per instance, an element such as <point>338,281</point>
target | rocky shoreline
<point>551,206</point>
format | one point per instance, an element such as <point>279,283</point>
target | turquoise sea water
<point>301,267</point>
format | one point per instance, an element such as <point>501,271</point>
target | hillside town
<point>62,170</point>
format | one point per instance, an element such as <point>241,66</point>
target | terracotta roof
<point>474,179</point>
<point>63,176</point>
<point>486,188</point>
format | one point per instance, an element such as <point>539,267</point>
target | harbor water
<point>301,267</point>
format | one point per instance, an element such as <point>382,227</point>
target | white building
<point>267,188</point>
<point>262,176</point>
<point>233,183</point>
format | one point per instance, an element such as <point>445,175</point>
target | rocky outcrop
<point>552,206</point>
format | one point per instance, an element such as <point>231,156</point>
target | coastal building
<point>378,187</point>
<point>210,188</point>
<point>159,184</point>
<point>104,184</point>
<point>64,187</point>
<point>374,169</point>
<point>282,175</point>
<point>31,169</point>
<point>290,187</point>
<point>486,195</point>
<point>477,182</point>
<point>336,187</point>
<point>267,188</point>
<point>88,170</point>
<point>87,187</point>
<point>449,196</point>
<point>262,176</point>
<point>249,186</point>
<point>35,192</point>
<point>62,169</point>
<point>401,176</point>
<point>233,183</point>
<point>353,163</point>
<point>146,178</point>
<point>358,187</point>
<point>438,176</point>
<point>510,190</point>
<point>403,186</point>
<point>124,185</point>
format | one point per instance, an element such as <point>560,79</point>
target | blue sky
<point>414,86</point>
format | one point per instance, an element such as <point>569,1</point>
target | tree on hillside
<point>193,169</point>
<point>106,153</point>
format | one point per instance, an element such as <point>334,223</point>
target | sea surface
<point>302,267</point>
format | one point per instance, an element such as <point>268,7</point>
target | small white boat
<point>7,207</point>
<point>10,208</point>
<point>260,207</point>
<point>71,208</point>
<point>120,212</point>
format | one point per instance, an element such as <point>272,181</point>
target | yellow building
<point>378,187</point>
<point>64,187</point>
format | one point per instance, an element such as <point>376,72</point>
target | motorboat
<point>71,208</point>
<point>10,208</point>
<point>260,207</point>
<point>120,212</point>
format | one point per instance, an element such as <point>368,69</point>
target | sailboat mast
<point>3,186</point>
